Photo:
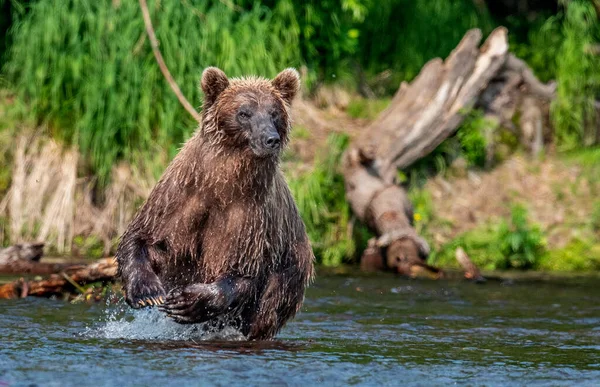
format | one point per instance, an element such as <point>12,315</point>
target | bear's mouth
<point>264,152</point>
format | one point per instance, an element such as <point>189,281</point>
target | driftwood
<point>70,280</point>
<point>420,117</point>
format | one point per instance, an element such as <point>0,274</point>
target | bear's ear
<point>213,82</point>
<point>287,84</point>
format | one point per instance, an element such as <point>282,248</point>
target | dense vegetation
<point>85,69</point>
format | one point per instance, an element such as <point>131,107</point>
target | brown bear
<point>220,237</point>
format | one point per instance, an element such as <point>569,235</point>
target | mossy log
<point>420,117</point>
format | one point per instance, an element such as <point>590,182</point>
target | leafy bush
<point>507,244</point>
<point>520,243</point>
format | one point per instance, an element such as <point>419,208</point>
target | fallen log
<point>420,117</point>
<point>68,281</point>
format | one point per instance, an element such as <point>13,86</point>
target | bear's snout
<point>272,141</point>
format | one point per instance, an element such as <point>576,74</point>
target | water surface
<point>370,331</point>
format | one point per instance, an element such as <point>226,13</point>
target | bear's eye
<point>244,115</point>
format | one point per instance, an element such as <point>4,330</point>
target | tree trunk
<point>420,117</point>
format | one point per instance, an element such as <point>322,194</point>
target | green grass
<point>87,69</point>
<point>420,30</point>
<point>367,108</point>
<point>578,77</point>
<point>14,118</point>
<point>320,196</point>
<point>576,256</point>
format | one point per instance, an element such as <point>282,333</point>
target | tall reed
<point>87,69</point>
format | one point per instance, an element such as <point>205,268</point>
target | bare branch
<point>161,63</point>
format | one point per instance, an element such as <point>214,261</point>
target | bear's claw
<point>145,291</point>
<point>152,301</point>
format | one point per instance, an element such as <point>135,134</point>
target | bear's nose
<point>273,141</point>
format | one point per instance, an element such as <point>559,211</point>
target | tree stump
<point>420,117</point>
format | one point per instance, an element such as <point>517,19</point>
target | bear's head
<point>248,115</point>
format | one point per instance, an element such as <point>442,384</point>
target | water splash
<point>122,322</point>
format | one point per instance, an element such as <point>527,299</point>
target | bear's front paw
<point>196,303</point>
<point>144,290</point>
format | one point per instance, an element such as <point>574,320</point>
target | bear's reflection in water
<point>234,347</point>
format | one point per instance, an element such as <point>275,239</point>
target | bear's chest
<point>243,236</point>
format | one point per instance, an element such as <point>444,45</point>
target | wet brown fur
<point>221,212</point>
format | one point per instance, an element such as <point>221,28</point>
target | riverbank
<point>543,212</point>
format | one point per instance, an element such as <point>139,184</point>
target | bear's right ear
<point>213,82</point>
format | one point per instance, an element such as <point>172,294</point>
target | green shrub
<point>520,242</point>
<point>423,213</point>
<point>88,246</point>
<point>595,217</point>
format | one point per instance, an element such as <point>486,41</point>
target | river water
<point>366,331</point>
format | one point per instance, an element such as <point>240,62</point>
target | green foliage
<point>320,196</point>
<point>481,244</point>
<point>88,69</point>
<point>540,48</point>
<point>577,255</point>
<point>418,31</point>
<point>423,213</point>
<point>507,244</point>
<point>88,246</point>
<point>595,217</point>
<point>578,77</point>
<point>520,242</point>
<point>472,137</point>
<point>328,34</point>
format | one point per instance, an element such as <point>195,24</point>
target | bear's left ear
<point>287,84</point>
<point>214,82</point>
